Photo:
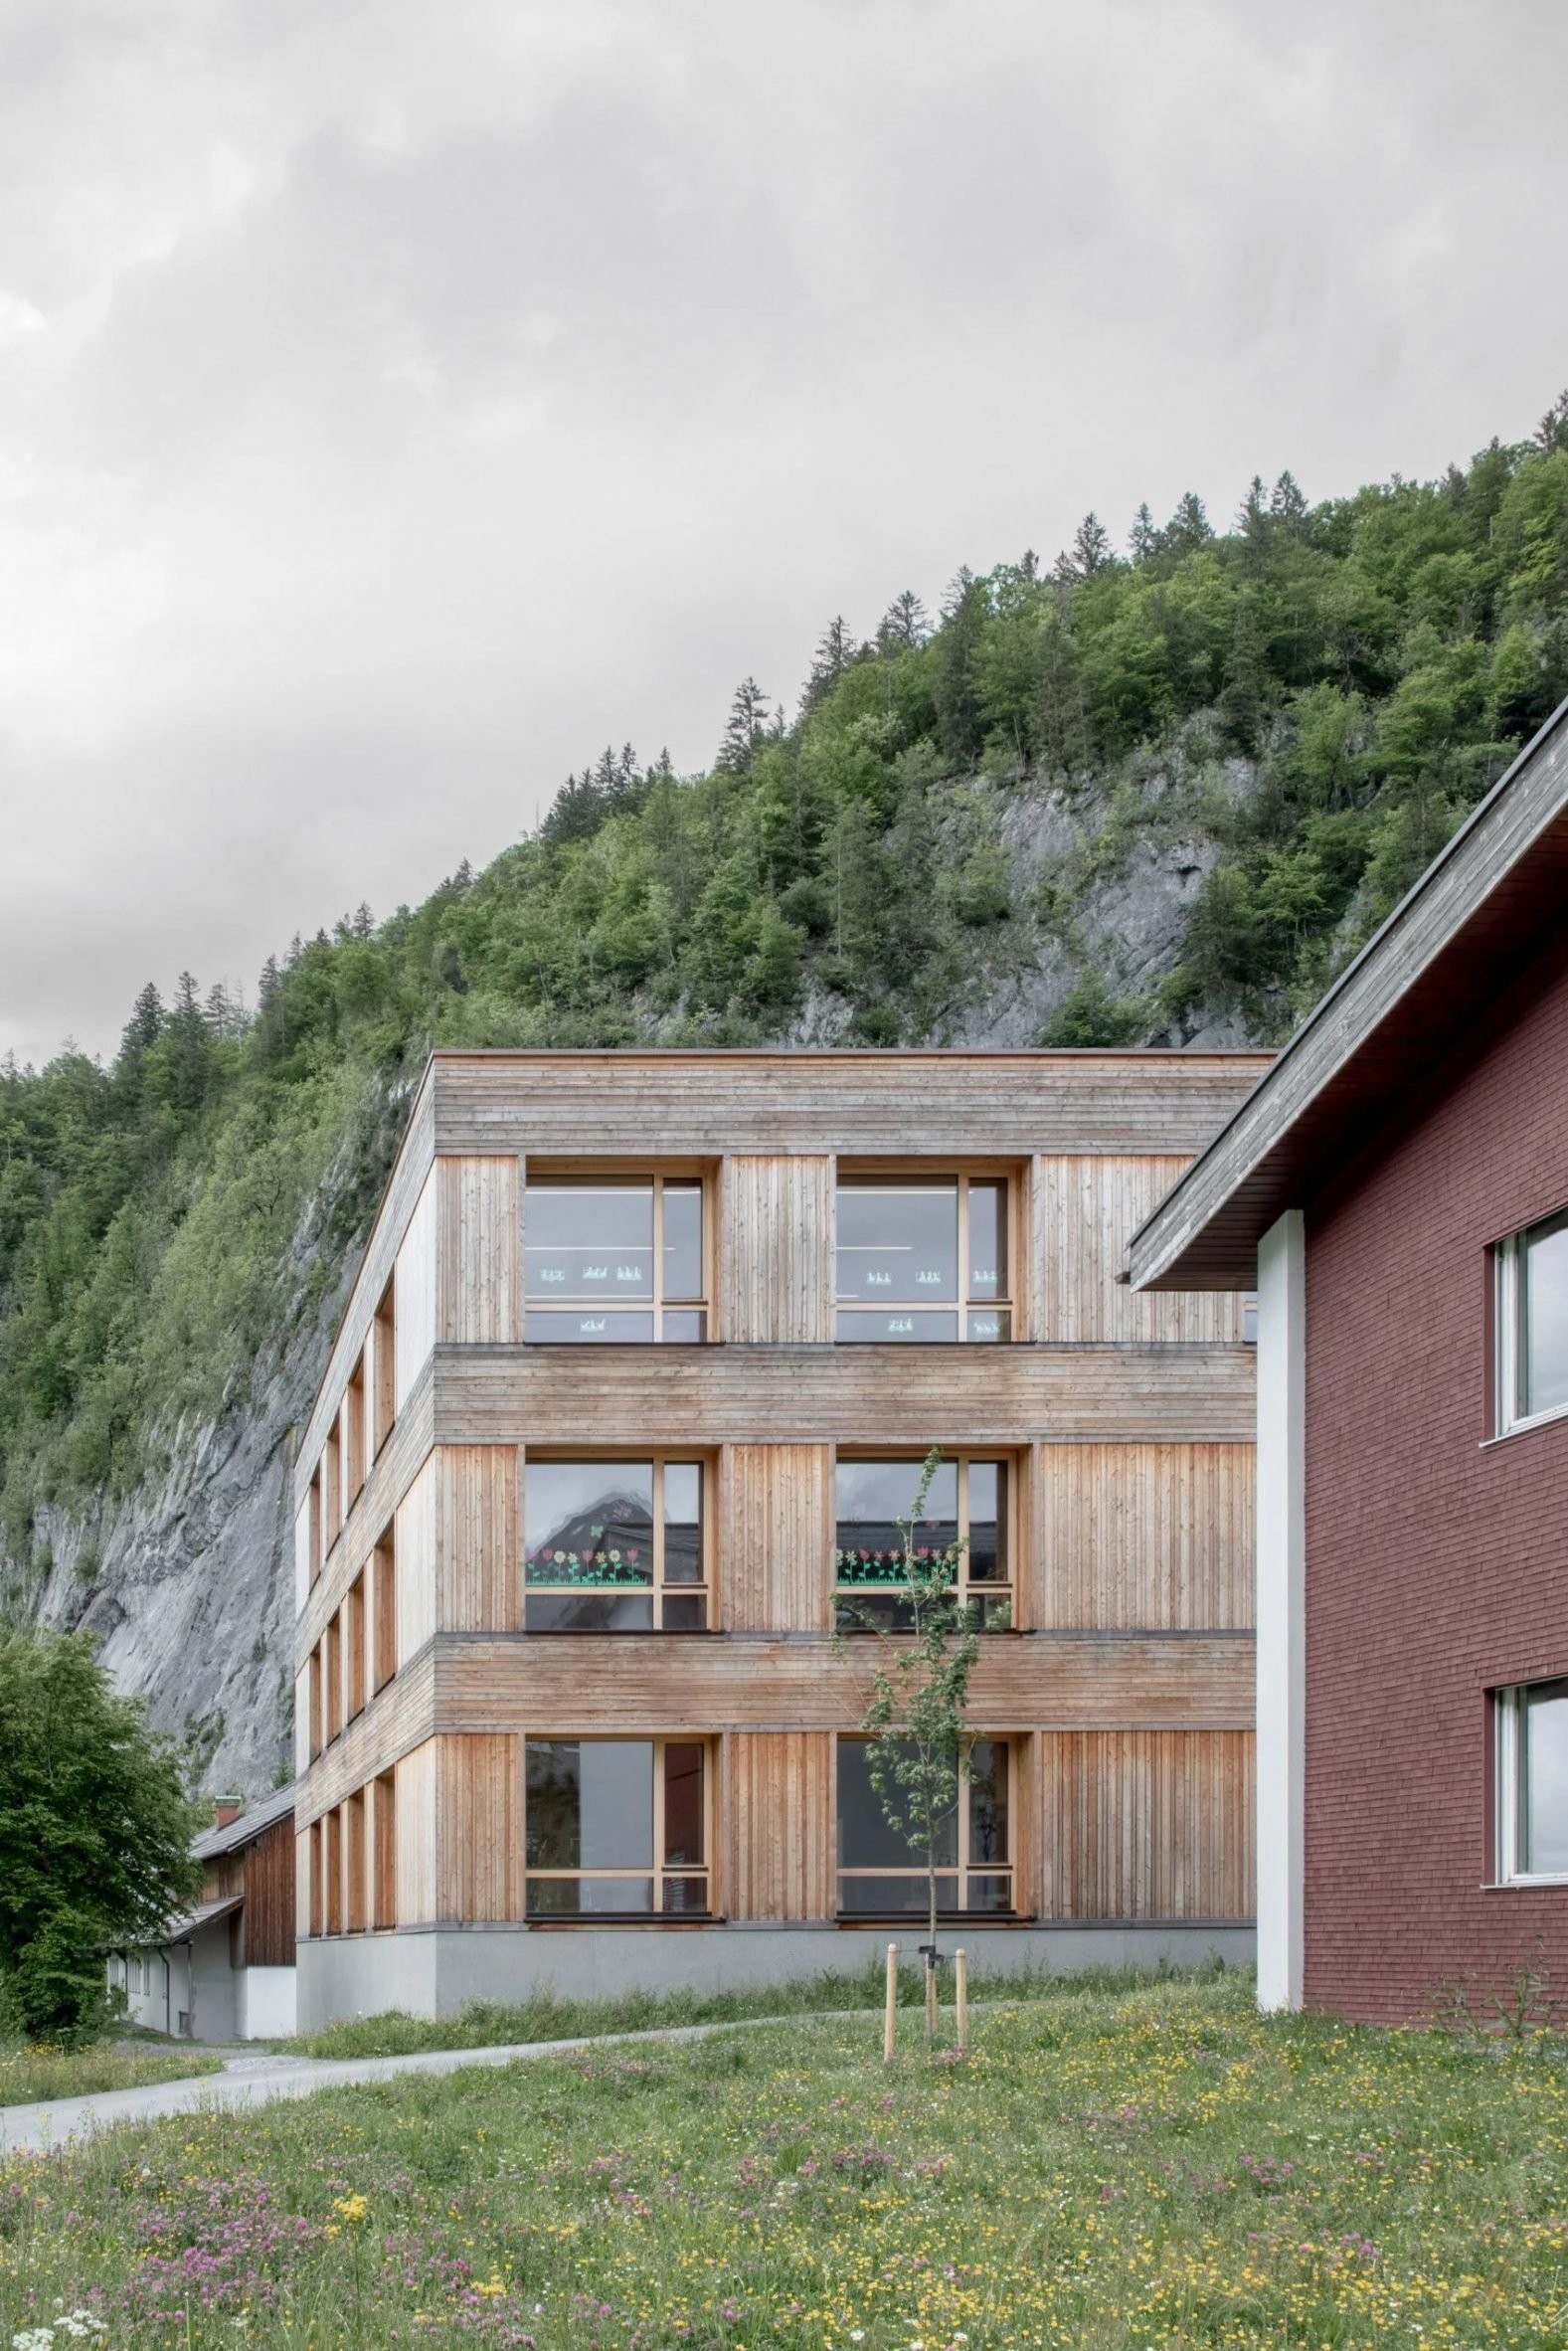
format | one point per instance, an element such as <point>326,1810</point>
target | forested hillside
<point>1153,791</point>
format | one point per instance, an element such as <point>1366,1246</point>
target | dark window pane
<point>987,1240</point>
<point>579,1898</point>
<point>683,1822</point>
<point>990,1894</point>
<point>682,1522</point>
<point>685,1612</point>
<point>590,1803</point>
<point>987,1552</point>
<point>684,1328</point>
<point>588,1612</point>
<point>686,1895</point>
<point>589,1240</point>
<point>987,1802</point>
<point>993,1326</point>
<point>992,1611</point>
<point>892,1329</point>
<point>878,1896</point>
<point>1545,1795</point>
<point>898,1241</point>
<point>683,1240</point>
<point>866,1611</point>
<point>584,1329</point>
<point>1545,1318</point>
<point>589,1521</point>
<point>866,1838</point>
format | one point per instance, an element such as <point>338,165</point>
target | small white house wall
<point>265,2007</point>
<point>214,2006</point>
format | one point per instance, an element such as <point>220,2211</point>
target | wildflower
<point>352,2207</point>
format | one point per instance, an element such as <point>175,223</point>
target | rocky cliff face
<point>189,1582</point>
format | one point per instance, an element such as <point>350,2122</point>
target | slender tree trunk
<point>931,1925</point>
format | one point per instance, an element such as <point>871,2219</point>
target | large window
<point>615,1546</point>
<point>618,1261</point>
<point>968,1503</point>
<point>1532,1781</point>
<point>878,1873</point>
<point>1533,1323</point>
<point>923,1258</point>
<point>616,1826</point>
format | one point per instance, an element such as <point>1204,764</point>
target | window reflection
<point>923,1260</point>
<point>601,1257</point>
<point>615,1825</point>
<point>879,1875</point>
<point>602,1539</point>
<point>966,1507</point>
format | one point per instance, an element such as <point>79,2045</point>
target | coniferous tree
<point>145,1025</point>
<point>1188,528</point>
<point>1552,430</point>
<point>836,650</point>
<point>1143,540</point>
<point>1287,504</point>
<point>960,713</point>
<point>904,625</point>
<point>746,728</point>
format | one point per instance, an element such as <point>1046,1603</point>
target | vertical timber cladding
<point>776,1283</point>
<point>1145,1537</point>
<point>779,1827</point>
<point>777,1539</point>
<point>457,1829</point>
<point>456,1545</point>
<point>1148,1823</point>
<point>1086,1211</point>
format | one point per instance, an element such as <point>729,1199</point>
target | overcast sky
<point>401,398</point>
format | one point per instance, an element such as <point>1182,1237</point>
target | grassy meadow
<point>1106,2168</point>
<point>31,2075</point>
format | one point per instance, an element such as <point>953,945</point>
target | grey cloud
<point>396,400</point>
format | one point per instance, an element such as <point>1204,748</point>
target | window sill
<point>623,1918</point>
<point>1524,1428</point>
<point>848,1923</point>
<point>1522,1885</point>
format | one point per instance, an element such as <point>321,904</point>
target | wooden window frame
<point>333,1678</point>
<point>383,1571</point>
<point>383,1898</point>
<point>332,1488</point>
<point>354,1429</point>
<point>962,1457</point>
<point>316,1925</point>
<point>313,1676</point>
<point>1508,1711</point>
<point>658,1870</point>
<point>562,1175</point>
<point>850,1175</point>
<point>1509,1326</point>
<point>318,1554</point>
<point>660,1457</point>
<point>384,1367</point>
<point>965,1868</point>
<point>354,1663</point>
<point>334,1847</point>
<point>356,1856</point>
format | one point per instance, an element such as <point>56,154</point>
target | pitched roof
<point>1483,906</point>
<point>245,1826</point>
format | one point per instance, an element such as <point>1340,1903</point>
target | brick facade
<point>1437,1566</point>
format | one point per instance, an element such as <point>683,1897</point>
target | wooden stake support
<point>960,1994</point>
<point>890,2016</point>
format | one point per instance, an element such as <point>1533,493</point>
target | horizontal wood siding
<point>1145,1536</point>
<point>778,1248</point>
<point>409,1175</point>
<point>780,1836</point>
<point>775,1571</point>
<point>480,1284</point>
<point>416,1309</point>
<point>575,1685</point>
<point>1154,1825</point>
<point>417,1542</point>
<point>417,1836</point>
<point>479,1845</point>
<point>1086,1208</point>
<point>920,1103</point>
<point>477,1538</point>
<point>951,1395</point>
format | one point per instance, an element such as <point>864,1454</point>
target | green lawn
<point>29,2075</point>
<point>1155,2167</point>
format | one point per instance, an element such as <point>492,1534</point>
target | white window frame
<point>1508,1262</point>
<point>1507,1707</point>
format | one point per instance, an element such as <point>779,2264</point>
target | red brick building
<point>1396,1188</point>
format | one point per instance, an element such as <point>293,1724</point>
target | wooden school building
<point>635,1384</point>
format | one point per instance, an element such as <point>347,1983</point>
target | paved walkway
<point>255,2081</point>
